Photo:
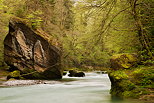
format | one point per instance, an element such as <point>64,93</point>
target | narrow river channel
<point>94,88</point>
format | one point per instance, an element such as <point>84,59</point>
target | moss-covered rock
<point>124,60</point>
<point>15,74</point>
<point>132,83</point>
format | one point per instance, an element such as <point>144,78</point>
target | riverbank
<point>133,83</point>
<point>26,82</point>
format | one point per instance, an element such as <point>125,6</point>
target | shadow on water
<point>115,99</point>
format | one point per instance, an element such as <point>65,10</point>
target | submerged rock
<point>25,50</point>
<point>73,73</point>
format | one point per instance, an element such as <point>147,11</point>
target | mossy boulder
<point>15,74</point>
<point>134,83</point>
<point>123,61</point>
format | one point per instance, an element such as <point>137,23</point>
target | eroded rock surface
<point>30,53</point>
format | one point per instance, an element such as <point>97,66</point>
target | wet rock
<point>101,72</point>
<point>73,73</point>
<point>79,74</point>
<point>64,73</point>
<point>26,50</point>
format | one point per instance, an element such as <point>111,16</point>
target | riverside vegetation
<point>89,35</point>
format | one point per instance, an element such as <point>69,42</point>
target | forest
<point>116,36</point>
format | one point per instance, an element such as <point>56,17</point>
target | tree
<point>142,12</point>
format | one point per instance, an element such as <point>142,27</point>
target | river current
<point>94,88</point>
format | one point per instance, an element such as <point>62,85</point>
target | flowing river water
<point>94,88</point>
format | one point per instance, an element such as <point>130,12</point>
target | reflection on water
<point>94,88</point>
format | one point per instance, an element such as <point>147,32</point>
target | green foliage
<point>127,85</point>
<point>132,83</point>
<point>15,74</point>
<point>119,75</point>
<point>144,76</point>
<point>90,31</point>
<point>145,58</point>
<point>135,93</point>
<point>35,19</point>
<point>20,12</point>
<point>99,32</point>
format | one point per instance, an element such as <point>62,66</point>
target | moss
<point>127,94</point>
<point>132,83</point>
<point>136,93</point>
<point>15,73</point>
<point>132,94</point>
<point>124,60</point>
<point>119,75</point>
<point>64,72</point>
<point>30,74</point>
<point>127,85</point>
<point>143,76</point>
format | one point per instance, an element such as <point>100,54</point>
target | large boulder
<point>29,52</point>
<point>123,61</point>
<point>132,83</point>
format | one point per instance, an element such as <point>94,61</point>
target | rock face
<point>27,51</point>
<point>123,61</point>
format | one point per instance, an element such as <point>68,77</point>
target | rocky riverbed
<point>27,82</point>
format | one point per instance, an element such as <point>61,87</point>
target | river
<point>94,88</point>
